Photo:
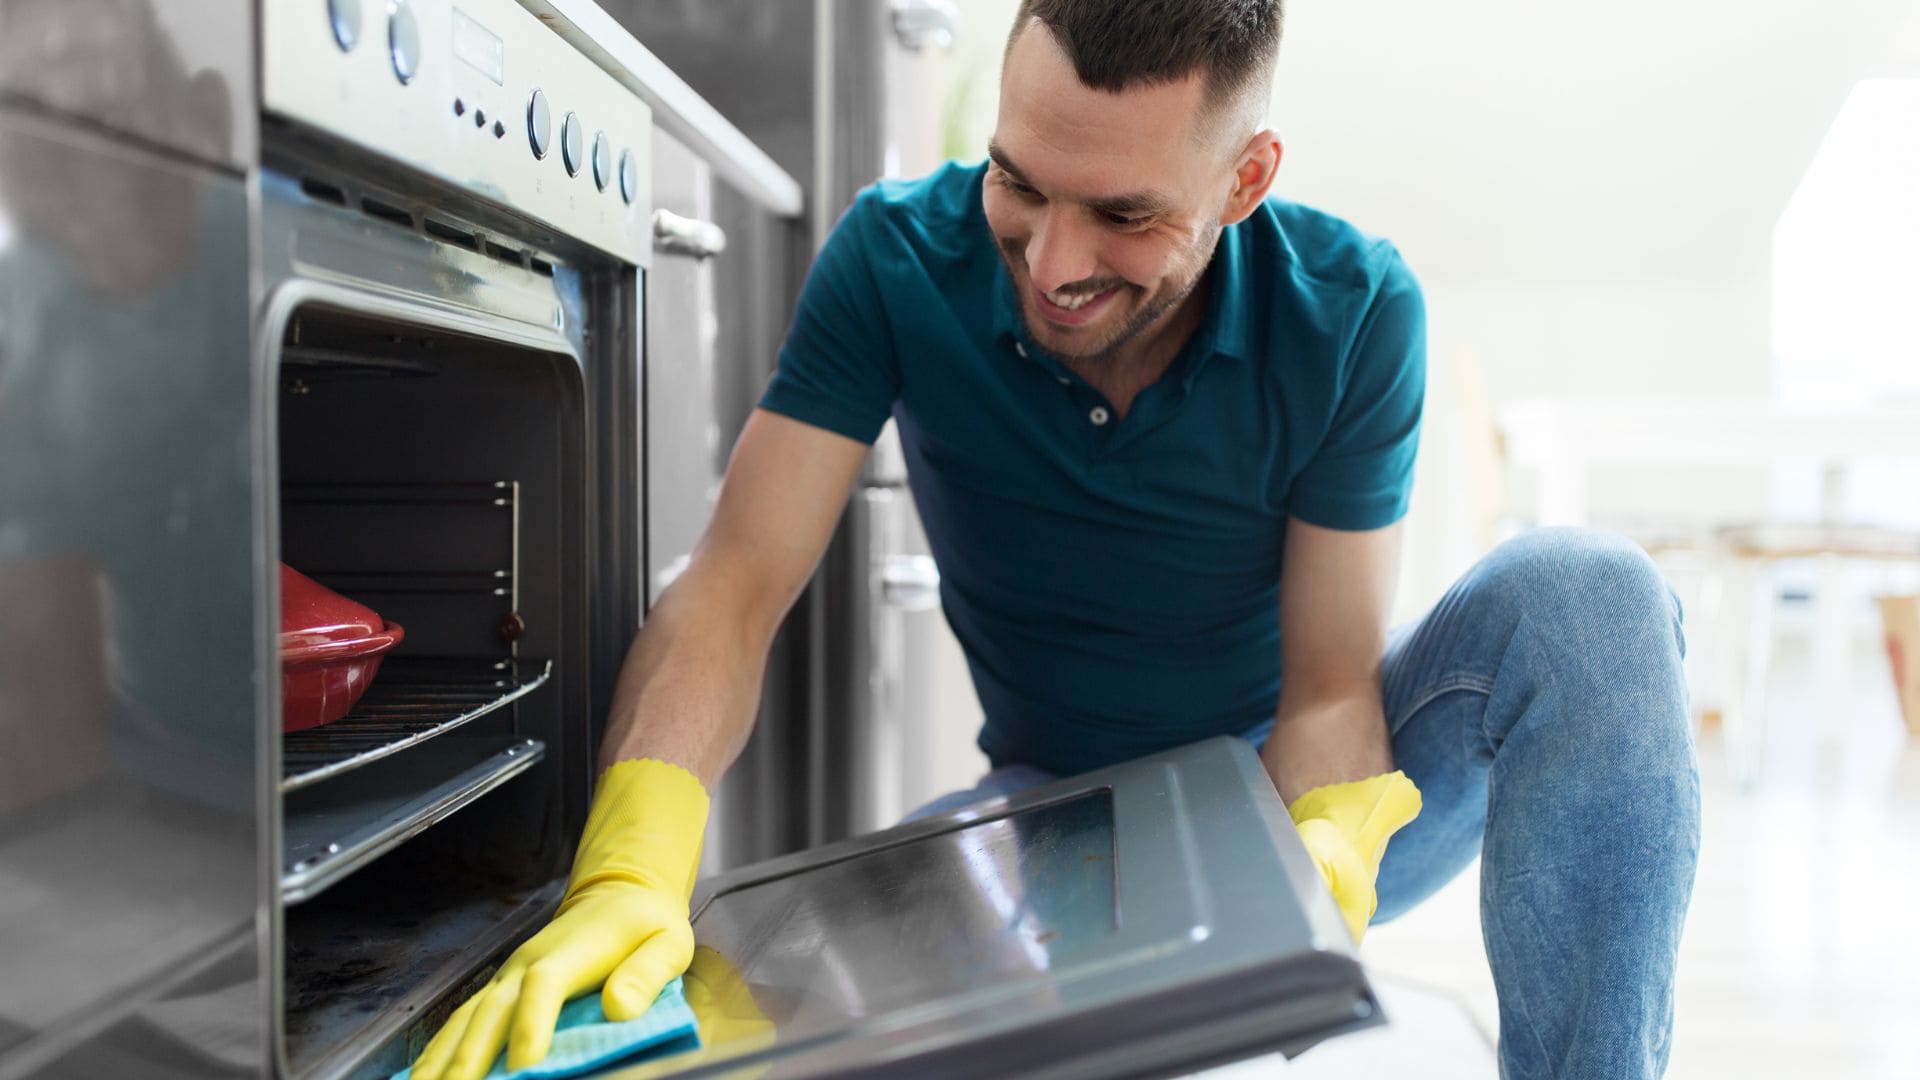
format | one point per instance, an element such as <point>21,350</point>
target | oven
<point>485,356</point>
<point>453,224</point>
<point>397,336</point>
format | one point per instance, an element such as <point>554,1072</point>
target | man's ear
<point>1253,175</point>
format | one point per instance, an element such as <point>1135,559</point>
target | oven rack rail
<point>338,829</point>
<point>410,702</point>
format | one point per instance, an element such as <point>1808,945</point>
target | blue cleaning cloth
<point>585,1039</point>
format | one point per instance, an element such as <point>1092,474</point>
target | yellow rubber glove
<point>731,1023</point>
<point>1346,828</point>
<point>622,926</point>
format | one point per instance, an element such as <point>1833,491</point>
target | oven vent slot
<point>440,228</point>
<point>387,212</point>
<point>443,231</point>
<point>410,702</point>
<point>511,256</point>
<point>323,191</point>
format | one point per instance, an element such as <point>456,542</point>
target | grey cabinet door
<point>131,652</point>
<point>682,433</point>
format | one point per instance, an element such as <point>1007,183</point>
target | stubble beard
<point>1136,324</point>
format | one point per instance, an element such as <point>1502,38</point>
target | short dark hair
<point>1117,44</point>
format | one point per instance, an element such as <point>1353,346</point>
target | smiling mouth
<point>1072,309</point>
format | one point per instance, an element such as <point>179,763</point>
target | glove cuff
<point>1327,799</point>
<point>645,826</point>
<point>1367,811</point>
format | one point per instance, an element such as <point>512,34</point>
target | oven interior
<point>438,477</point>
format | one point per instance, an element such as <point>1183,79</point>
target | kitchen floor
<point>1802,951</point>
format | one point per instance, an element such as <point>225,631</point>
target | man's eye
<point>1122,221</point>
<point>1017,187</point>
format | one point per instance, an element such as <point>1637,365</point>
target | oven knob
<point>539,124</point>
<point>572,145</point>
<point>602,160</point>
<point>403,41</point>
<point>629,176</point>
<point>345,17</point>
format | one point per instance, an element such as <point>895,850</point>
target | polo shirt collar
<point>1224,329</point>
<point>1229,318</point>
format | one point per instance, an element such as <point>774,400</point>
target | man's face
<point>1105,206</point>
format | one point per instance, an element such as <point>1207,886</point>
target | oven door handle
<point>676,235</point>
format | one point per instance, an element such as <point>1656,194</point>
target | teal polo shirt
<point>1114,581</point>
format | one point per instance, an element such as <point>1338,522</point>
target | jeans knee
<point>1589,588</point>
<point>1589,668</point>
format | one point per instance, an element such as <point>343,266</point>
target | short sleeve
<point>837,368</point>
<point>1361,477</point>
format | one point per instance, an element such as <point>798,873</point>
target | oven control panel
<point>478,93</point>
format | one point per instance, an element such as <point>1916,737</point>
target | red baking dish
<point>330,650</point>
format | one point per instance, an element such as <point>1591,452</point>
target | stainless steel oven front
<point>357,287</point>
<point>453,225</point>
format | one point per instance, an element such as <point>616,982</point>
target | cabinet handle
<point>910,582</point>
<point>676,235</point>
<point>920,25</point>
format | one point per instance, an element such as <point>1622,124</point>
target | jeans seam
<point>1463,680</point>
<point>1518,1002</point>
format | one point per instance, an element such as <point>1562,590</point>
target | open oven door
<point>1147,919</point>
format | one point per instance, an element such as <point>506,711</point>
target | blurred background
<point>1669,258</point>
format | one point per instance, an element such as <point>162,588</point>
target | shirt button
<point>1099,415</point>
<point>1021,349</point>
<point>1062,380</point>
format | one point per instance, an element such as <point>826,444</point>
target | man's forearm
<point>690,685</point>
<point>1327,739</point>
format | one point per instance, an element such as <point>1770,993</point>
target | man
<point>1161,428</point>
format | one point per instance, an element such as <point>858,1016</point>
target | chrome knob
<point>629,177</point>
<point>602,160</point>
<point>539,124</point>
<point>572,144</point>
<point>344,16</point>
<point>403,41</point>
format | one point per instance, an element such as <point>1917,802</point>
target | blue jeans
<point>1541,709</point>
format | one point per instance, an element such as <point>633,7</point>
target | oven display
<point>479,47</point>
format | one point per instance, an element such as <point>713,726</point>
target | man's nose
<point>1061,251</point>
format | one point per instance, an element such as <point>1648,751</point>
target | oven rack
<point>330,832</point>
<point>411,701</point>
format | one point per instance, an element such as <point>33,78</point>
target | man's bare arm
<point>690,685</point>
<point>1336,589</point>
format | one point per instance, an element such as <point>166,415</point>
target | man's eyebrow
<point>1138,202</point>
<point>1006,164</point>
